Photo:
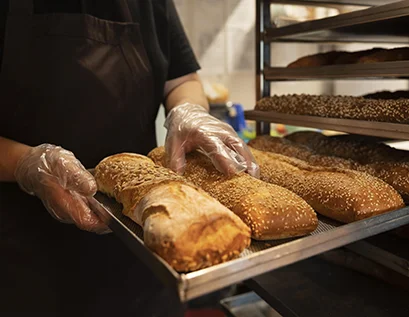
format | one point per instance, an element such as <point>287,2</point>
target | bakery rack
<point>381,22</point>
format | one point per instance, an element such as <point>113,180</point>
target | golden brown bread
<point>346,107</point>
<point>272,212</point>
<point>341,194</point>
<point>182,224</point>
<point>377,159</point>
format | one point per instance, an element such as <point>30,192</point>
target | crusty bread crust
<point>272,212</point>
<point>341,194</point>
<point>185,226</point>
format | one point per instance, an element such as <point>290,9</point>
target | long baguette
<point>185,226</point>
<point>340,194</point>
<point>380,160</point>
<point>272,212</point>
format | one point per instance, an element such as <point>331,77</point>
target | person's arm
<point>11,152</point>
<point>56,177</point>
<point>185,89</point>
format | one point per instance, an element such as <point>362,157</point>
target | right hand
<point>62,183</point>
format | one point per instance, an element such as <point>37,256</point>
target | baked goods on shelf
<point>399,94</point>
<point>345,107</point>
<point>340,194</point>
<point>390,55</point>
<point>272,212</point>
<point>182,224</point>
<point>374,55</point>
<point>315,60</point>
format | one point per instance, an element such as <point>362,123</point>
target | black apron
<point>85,84</point>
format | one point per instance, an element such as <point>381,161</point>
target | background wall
<point>222,34</point>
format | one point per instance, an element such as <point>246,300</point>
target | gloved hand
<point>56,177</point>
<point>191,127</point>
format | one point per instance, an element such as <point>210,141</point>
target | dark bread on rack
<point>272,212</point>
<point>316,60</point>
<point>399,94</point>
<point>346,107</point>
<point>332,58</point>
<point>182,224</point>
<point>341,194</point>
<point>391,55</point>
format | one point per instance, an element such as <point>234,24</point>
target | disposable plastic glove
<point>56,177</point>
<point>191,127</point>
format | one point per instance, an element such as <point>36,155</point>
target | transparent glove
<point>191,127</point>
<point>56,177</point>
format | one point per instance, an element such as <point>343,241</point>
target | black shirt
<point>165,41</point>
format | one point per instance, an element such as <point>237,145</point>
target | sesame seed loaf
<point>182,224</point>
<point>341,194</point>
<point>345,107</point>
<point>272,212</point>
<point>377,159</point>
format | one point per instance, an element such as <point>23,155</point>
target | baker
<point>81,80</point>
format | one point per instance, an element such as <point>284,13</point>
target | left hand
<point>191,127</point>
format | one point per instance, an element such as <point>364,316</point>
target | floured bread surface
<point>341,194</point>
<point>272,212</point>
<point>184,225</point>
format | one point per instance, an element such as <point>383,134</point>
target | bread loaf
<point>346,107</point>
<point>316,60</point>
<point>321,153</point>
<point>380,160</point>
<point>333,58</point>
<point>182,224</point>
<point>399,94</point>
<point>272,212</point>
<point>341,194</point>
<point>390,55</point>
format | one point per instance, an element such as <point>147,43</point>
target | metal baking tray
<point>259,258</point>
<point>372,128</point>
<point>385,70</point>
<point>382,20</point>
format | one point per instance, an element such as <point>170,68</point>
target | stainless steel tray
<point>259,258</point>
<point>372,128</point>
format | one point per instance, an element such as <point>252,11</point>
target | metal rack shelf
<point>379,129</point>
<point>386,70</point>
<point>382,20</point>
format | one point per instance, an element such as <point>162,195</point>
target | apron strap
<point>18,6</point>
